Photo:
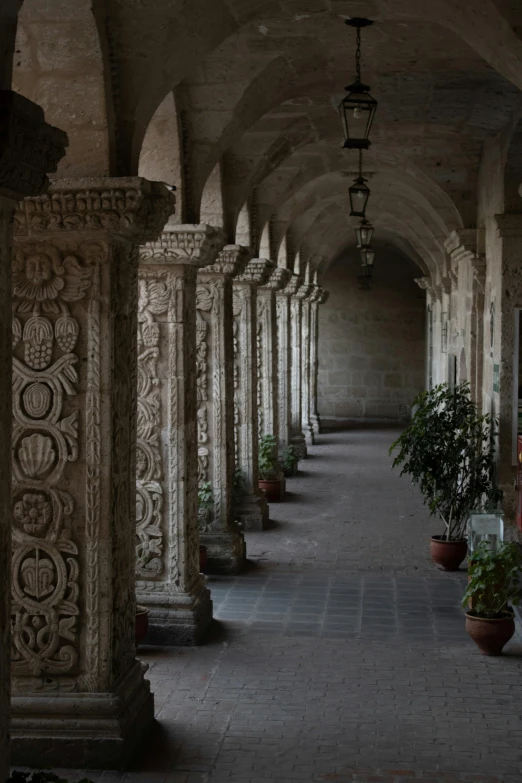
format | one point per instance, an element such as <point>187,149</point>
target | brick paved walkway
<point>340,654</point>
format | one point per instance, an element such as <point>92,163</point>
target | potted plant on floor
<point>271,478</point>
<point>448,450</point>
<point>493,589</point>
<point>205,506</point>
<point>289,461</point>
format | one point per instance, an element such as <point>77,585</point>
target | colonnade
<point>148,358</point>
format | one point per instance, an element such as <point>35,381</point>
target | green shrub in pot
<point>270,468</point>
<point>448,450</point>
<point>289,460</point>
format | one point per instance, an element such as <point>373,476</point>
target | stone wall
<point>371,343</point>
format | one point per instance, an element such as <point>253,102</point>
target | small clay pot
<point>448,554</point>
<point>202,558</point>
<point>141,624</point>
<point>490,634</point>
<point>274,489</point>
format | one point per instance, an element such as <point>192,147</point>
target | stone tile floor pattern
<point>340,655</point>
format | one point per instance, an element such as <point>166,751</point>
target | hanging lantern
<point>368,257</point>
<point>358,107</point>
<point>364,234</point>
<point>359,193</point>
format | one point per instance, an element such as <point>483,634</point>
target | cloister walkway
<point>340,655</point>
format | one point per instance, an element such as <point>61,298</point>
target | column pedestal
<point>79,695</point>
<point>219,531</point>
<point>29,149</point>
<point>167,533</point>
<point>250,506</point>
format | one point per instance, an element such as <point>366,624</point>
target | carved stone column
<point>284,358</point>
<point>267,352</point>
<point>29,149</point>
<point>319,298</point>
<point>297,436</point>
<point>219,531</point>
<point>79,695</point>
<point>306,342</point>
<point>167,533</point>
<point>250,507</point>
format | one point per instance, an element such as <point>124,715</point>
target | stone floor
<point>340,654</point>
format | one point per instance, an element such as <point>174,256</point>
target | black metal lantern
<point>368,257</point>
<point>359,193</point>
<point>364,234</point>
<point>358,107</point>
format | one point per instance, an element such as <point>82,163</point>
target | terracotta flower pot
<point>490,634</point>
<point>202,558</point>
<point>274,489</point>
<point>142,624</point>
<point>448,554</point>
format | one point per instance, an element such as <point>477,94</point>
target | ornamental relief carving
<point>154,298</point>
<point>50,289</point>
<point>207,310</point>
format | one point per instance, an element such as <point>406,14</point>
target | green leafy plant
<point>494,584</point>
<point>448,450</point>
<point>289,460</point>
<point>269,466</point>
<point>39,777</point>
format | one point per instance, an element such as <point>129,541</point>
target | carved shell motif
<point>36,455</point>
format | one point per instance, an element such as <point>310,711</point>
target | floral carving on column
<point>318,297</point>
<point>172,352</point>
<point>47,284</point>
<point>75,290</point>
<point>29,150</point>
<point>284,356</point>
<point>267,358</point>
<point>216,407</point>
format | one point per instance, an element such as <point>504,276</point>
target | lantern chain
<point>358,55</point>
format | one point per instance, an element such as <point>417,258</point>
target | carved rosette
<point>75,286</point>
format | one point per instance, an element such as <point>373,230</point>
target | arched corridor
<point>340,654</point>
<point>209,247</point>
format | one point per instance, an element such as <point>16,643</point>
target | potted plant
<point>205,506</point>
<point>448,450</point>
<point>141,624</point>
<point>493,588</point>
<point>290,461</point>
<point>271,478</point>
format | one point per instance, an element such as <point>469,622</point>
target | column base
<point>300,444</point>
<point>83,730</point>
<point>253,513</point>
<point>315,421</point>
<point>226,552</point>
<point>176,619</point>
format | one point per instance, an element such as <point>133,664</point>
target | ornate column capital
<point>293,285</point>
<point>230,261</point>
<point>323,295</point>
<point>277,280</point>
<point>29,147</point>
<point>256,271</point>
<point>192,244</point>
<point>305,292</point>
<point>131,207</point>
<point>426,284</point>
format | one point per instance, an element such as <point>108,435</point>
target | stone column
<point>250,506</point>
<point>284,358</point>
<point>219,531</point>
<point>320,296</point>
<point>29,148</point>
<point>167,533</point>
<point>80,698</point>
<point>267,352</point>
<point>306,344</point>
<point>297,437</point>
